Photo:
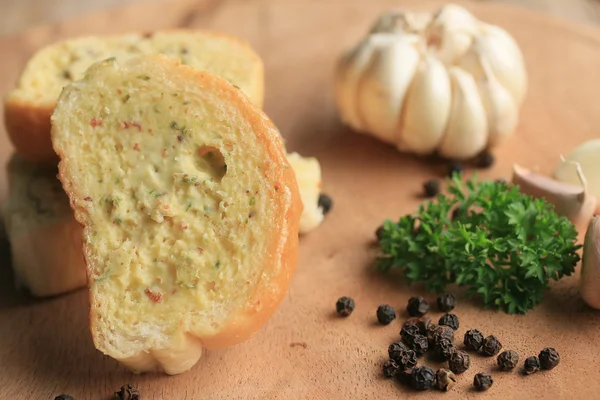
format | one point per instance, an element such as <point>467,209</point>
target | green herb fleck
<point>187,179</point>
<point>252,201</point>
<point>181,129</point>
<point>118,221</point>
<point>185,103</point>
<point>503,246</point>
<point>217,264</point>
<point>143,77</point>
<point>126,98</point>
<point>157,195</point>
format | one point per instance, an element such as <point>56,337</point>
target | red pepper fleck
<point>164,152</point>
<point>119,91</point>
<point>200,250</point>
<point>173,291</point>
<point>183,226</point>
<point>180,138</point>
<point>96,122</point>
<point>150,130</point>
<point>154,296</point>
<point>129,124</point>
<point>136,146</point>
<point>88,198</point>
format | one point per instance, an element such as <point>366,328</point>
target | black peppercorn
<point>421,322</point>
<point>407,359</point>
<point>549,358</point>
<point>491,346</point>
<point>385,314</point>
<point>450,320</point>
<point>443,332</point>
<point>64,397</point>
<point>419,344</point>
<point>390,368</point>
<point>405,376</point>
<point>485,160</point>
<point>446,302</point>
<point>431,330</point>
<point>127,392</point>
<point>431,188</point>
<point>325,203</point>
<point>532,365</point>
<point>444,349</point>
<point>379,233</point>
<point>417,307</point>
<point>454,168</point>
<point>408,332</point>
<point>396,349</point>
<point>473,339</point>
<point>508,360</point>
<point>344,306</point>
<point>459,362</point>
<point>445,379</point>
<point>423,378</point>
<point>483,381</point>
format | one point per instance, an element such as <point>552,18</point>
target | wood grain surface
<point>305,351</point>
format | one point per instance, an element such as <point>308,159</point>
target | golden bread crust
<point>28,122</point>
<point>269,290</point>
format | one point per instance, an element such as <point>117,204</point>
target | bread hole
<point>210,160</point>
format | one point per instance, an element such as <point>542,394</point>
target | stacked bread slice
<point>27,110</point>
<point>189,205</point>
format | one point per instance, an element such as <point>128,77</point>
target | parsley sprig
<point>503,246</point>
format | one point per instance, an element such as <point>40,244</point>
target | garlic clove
<point>427,108</point>
<point>587,155</point>
<point>384,85</point>
<point>451,32</point>
<point>589,281</point>
<point>466,134</point>
<point>501,109</point>
<point>397,21</point>
<point>570,201</point>
<point>505,59</point>
<point>347,77</point>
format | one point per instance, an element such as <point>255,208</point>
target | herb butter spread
<point>190,208</point>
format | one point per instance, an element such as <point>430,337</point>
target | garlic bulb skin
<point>466,133</point>
<point>424,126</point>
<point>441,82</point>
<point>589,281</point>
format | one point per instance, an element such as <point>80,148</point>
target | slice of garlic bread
<point>44,237</point>
<point>189,206</point>
<point>29,105</point>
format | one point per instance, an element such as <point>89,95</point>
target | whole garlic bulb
<point>428,82</point>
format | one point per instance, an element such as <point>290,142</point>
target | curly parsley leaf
<point>502,245</point>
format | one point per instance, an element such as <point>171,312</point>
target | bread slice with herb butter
<point>44,237</point>
<point>28,107</point>
<point>189,207</point>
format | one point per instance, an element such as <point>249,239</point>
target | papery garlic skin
<point>571,201</point>
<point>589,281</point>
<point>428,82</point>
<point>587,155</point>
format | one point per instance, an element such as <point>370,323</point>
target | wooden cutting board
<point>305,351</point>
